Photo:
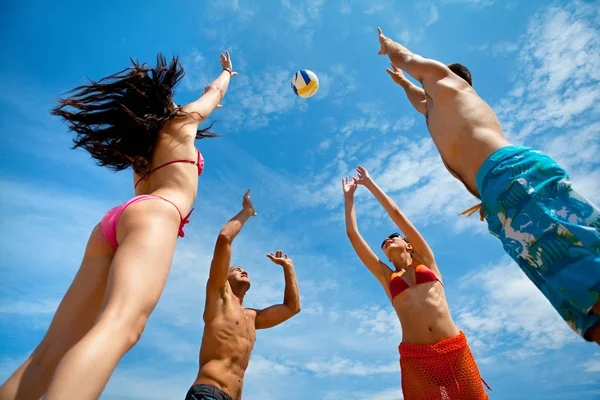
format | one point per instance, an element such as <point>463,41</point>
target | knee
<point>127,328</point>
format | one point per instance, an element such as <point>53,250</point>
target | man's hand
<point>396,74</point>
<point>382,39</point>
<point>349,186</point>
<point>279,259</point>
<point>363,176</point>
<point>247,204</point>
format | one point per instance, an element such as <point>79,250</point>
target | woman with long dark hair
<point>435,359</point>
<point>128,119</point>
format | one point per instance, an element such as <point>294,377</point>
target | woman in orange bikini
<point>125,120</point>
<point>435,360</point>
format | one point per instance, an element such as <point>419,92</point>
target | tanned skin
<point>463,127</point>
<point>456,116</point>
<point>230,328</point>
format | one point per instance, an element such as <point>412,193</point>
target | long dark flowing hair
<point>118,119</point>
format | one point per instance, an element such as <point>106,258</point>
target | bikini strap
<point>168,163</point>
<point>184,220</point>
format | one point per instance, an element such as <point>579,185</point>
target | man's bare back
<point>463,126</point>
<point>230,329</point>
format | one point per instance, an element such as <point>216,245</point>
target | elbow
<point>293,306</point>
<point>217,88</point>
<point>224,237</point>
<point>295,309</point>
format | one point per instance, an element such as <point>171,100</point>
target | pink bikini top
<point>199,161</point>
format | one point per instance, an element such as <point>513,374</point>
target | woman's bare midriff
<point>424,314</point>
<point>177,182</point>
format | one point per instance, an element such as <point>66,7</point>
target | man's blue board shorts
<point>549,229</point>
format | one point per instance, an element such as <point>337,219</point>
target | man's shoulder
<point>252,311</point>
<point>446,85</point>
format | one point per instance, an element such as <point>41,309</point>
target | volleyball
<point>305,83</point>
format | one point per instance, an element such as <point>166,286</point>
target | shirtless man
<point>550,230</point>
<point>230,329</point>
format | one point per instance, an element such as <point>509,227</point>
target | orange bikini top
<point>422,274</point>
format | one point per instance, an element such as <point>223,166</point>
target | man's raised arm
<point>422,69</point>
<point>415,94</point>
<point>219,267</point>
<point>275,315</point>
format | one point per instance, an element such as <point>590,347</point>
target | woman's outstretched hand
<point>226,63</point>
<point>349,186</point>
<point>363,176</point>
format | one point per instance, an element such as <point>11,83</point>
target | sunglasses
<point>393,236</point>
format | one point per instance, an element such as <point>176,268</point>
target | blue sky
<point>535,62</point>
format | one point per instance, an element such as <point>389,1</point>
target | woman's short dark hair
<point>118,119</point>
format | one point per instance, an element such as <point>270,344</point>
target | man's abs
<point>225,351</point>
<point>465,131</point>
<point>223,375</point>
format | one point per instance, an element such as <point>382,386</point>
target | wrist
<point>228,70</point>
<point>289,265</point>
<point>405,83</point>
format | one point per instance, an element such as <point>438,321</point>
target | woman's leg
<point>74,317</point>
<point>148,234</point>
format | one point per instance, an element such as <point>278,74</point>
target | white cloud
<point>344,366</point>
<point>338,81</point>
<point>242,10</point>
<point>475,3</point>
<point>592,365</point>
<point>411,37</point>
<point>394,393</point>
<point>511,314</point>
<point>315,310</point>
<point>378,321</point>
<point>345,8</point>
<point>433,15</point>
<point>254,100</point>
<point>428,12</point>
<point>374,118</point>
<point>262,366</point>
<point>557,86</point>
<point>198,70</point>
<point>502,48</point>
<point>155,384</point>
<point>303,12</point>
<point>374,8</point>
<point>324,145</point>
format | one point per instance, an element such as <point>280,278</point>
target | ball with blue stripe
<point>305,83</point>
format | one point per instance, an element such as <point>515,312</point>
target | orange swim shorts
<point>440,371</point>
